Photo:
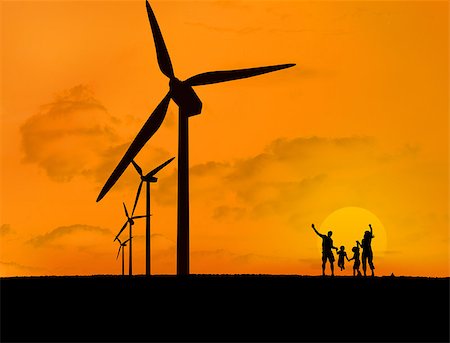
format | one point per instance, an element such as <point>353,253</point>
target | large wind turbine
<point>189,104</point>
<point>148,178</point>
<point>130,222</point>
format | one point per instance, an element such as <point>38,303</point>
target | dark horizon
<point>143,275</point>
<point>218,308</point>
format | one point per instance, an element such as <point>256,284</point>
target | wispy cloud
<point>6,230</point>
<point>229,212</point>
<point>66,231</point>
<point>255,258</point>
<point>229,29</point>
<point>233,262</point>
<point>5,266</point>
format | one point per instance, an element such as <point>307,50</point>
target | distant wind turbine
<point>148,178</point>
<point>189,104</point>
<point>130,222</point>
<point>122,247</point>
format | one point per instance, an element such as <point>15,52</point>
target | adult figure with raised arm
<point>327,253</point>
<point>367,254</point>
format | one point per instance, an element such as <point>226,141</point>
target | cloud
<point>5,230</point>
<point>276,188</point>
<point>251,258</point>
<point>62,232</point>
<point>235,257</point>
<point>75,135</point>
<point>206,261</point>
<point>161,237</point>
<point>332,172</point>
<point>66,137</point>
<point>221,255</point>
<point>244,30</point>
<point>229,213</point>
<point>166,192</point>
<point>218,253</point>
<point>5,266</point>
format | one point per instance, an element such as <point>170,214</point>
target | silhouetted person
<point>342,254</point>
<point>355,258</point>
<point>327,254</point>
<point>367,254</point>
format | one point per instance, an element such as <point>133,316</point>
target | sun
<point>348,225</point>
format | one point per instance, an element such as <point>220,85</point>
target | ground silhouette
<point>220,308</point>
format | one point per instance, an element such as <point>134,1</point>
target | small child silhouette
<point>342,254</point>
<point>355,257</point>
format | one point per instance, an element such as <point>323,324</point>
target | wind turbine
<point>122,245</point>
<point>189,104</point>
<point>130,222</point>
<point>148,178</point>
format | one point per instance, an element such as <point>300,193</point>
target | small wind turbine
<point>148,178</point>
<point>121,247</point>
<point>130,222</point>
<point>189,105</point>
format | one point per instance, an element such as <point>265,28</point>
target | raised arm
<point>371,231</point>
<point>358,244</point>
<point>317,232</point>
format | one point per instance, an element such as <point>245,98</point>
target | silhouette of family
<point>367,254</point>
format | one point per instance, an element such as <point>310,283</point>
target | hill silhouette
<point>220,308</point>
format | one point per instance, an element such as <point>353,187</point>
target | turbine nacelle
<point>151,179</point>
<point>147,178</point>
<point>130,220</point>
<point>185,97</point>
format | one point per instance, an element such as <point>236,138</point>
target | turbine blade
<point>129,239</point>
<point>137,197</point>
<point>157,169</point>
<point>229,75</point>
<point>123,228</point>
<point>126,212</point>
<point>138,169</point>
<point>137,217</point>
<point>148,130</point>
<point>120,247</point>
<point>161,50</point>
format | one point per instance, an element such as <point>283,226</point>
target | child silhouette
<point>342,254</point>
<point>355,257</point>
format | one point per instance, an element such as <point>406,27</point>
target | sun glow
<point>348,225</point>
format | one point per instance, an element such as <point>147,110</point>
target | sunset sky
<point>355,133</point>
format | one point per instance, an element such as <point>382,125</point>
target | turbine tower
<point>121,247</point>
<point>189,104</point>
<point>130,222</point>
<point>148,178</point>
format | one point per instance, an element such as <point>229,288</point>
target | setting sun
<point>348,225</point>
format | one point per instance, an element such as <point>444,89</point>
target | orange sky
<point>358,126</point>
